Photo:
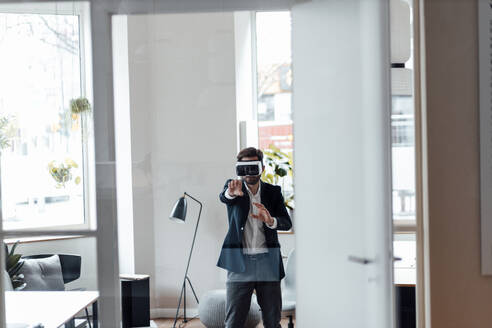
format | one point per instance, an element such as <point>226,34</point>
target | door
<point>342,161</point>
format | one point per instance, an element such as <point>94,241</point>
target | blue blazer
<point>231,256</point>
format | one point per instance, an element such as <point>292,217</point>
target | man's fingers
<point>259,205</point>
<point>256,216</point>
<point>234,185</point>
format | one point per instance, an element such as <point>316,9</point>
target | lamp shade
<point>178,213</point>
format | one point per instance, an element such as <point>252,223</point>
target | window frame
<point>82,10</point>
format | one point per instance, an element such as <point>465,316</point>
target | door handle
<point>360,260</point>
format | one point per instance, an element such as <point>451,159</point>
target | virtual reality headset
<point>248,168</point>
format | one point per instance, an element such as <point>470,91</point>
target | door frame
<point>422,288</point>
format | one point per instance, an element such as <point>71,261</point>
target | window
<point>264,93</point>
<point>274,98</point>
<point>403,149</point>
<point>402,122</point>
<point>46,147</point>
<point>274,80</point>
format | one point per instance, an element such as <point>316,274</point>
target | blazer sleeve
<point>284,222</point>
<point>223,198</point>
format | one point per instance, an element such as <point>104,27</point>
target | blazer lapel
<point>263,194</point>
<point>245,205</point>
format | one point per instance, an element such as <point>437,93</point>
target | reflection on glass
<point>50,282</point>
<point>41,136</point>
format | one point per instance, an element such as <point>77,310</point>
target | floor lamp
<point>179,215</point>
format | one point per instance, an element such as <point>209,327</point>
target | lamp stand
<point>186,278</point>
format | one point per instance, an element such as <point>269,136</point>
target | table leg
<point>95,319</point>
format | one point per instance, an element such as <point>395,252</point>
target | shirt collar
<point>249,191</point>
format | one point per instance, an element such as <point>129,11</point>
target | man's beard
<point>252,180</point>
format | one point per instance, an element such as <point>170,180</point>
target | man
<point>251,251</point>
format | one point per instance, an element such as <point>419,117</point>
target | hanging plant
<point>80,105</point>
<point>80,110</point>
<point>62,172</point>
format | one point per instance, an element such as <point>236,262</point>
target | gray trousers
<point>240,286</point>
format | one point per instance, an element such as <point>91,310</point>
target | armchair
<point>52,272</point>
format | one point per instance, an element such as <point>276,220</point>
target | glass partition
<point>47,163</point>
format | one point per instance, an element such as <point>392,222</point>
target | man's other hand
<point>235,188</point>
<point>263,214</point>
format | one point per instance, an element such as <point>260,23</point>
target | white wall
<point>183,118</point>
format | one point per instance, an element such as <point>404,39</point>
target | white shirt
<point>254,236</point>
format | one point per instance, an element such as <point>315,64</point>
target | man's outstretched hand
<point>235,188</point>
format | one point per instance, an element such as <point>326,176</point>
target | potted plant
<point>62,172</point>
<point>279,171</point>
<point>13,264</point>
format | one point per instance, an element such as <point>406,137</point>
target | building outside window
<point>274,80</point>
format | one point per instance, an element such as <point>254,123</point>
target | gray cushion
<point>43,274</point>
<point>212,310</point>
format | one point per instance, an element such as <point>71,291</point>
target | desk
<point>51,309</point>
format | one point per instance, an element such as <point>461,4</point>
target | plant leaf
<point>13,248</point>
<point>12,261</point>
<point>16,268</point>
<point>20,286</point>
<point>280,172</point>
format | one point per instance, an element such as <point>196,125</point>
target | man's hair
<point>250,152</point>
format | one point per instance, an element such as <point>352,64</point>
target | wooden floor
<point>195,323</point>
